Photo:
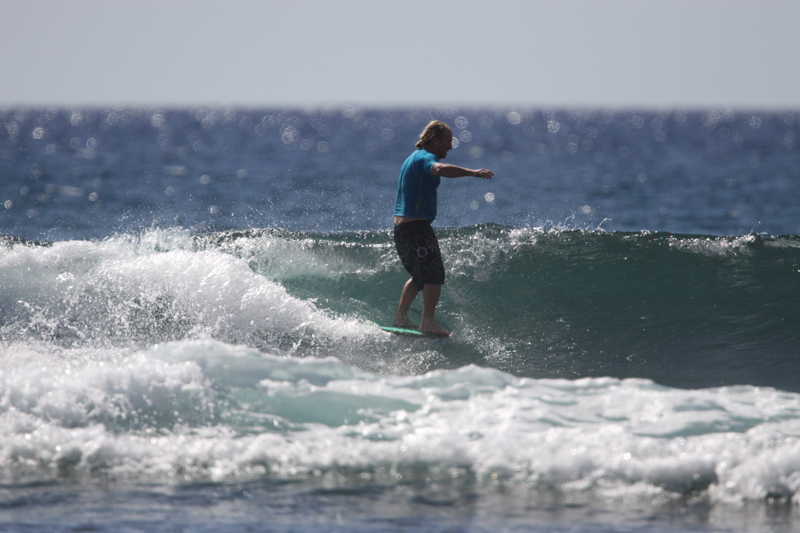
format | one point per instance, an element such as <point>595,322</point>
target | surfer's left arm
<point>447,170</point>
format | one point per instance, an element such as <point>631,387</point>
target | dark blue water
<point>189,301</point>
<point>88,173</point>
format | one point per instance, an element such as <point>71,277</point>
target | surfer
<point>414,210</point>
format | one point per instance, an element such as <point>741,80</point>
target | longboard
<point>408,331</point>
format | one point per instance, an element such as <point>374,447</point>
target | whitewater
<point>190,333</point>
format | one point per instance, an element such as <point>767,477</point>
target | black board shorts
<point>419,252</point>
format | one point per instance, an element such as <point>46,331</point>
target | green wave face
<point>683,310</point>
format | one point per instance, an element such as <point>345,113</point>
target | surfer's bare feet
<point>404,322</point>
<point>434,329</point>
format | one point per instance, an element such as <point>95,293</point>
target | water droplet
<point>290,135</point>
<point>158,120</point>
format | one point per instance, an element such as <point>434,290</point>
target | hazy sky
<point>642,53</point>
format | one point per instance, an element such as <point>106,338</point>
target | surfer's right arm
<point>447,170</point>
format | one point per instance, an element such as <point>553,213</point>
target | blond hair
<point>432,131</point>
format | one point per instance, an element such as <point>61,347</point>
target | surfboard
<point>408,331</point>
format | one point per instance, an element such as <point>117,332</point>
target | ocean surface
<point>190,301</point>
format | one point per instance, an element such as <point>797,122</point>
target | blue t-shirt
<point>416,187</point>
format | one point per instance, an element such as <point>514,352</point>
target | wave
<point>197,411</point>
<point>681,310</point>
<point>624,365</point>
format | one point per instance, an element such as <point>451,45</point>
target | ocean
<point>190,301</point>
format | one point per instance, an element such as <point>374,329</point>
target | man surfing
<point>414,210</point>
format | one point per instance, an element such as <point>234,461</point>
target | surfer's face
<point>441,145</point>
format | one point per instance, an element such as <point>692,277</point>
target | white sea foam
<point>282,256</point>
<point>204,409</point>
<point>714,246</point>
<point>118,291</point>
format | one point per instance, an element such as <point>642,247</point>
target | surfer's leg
<point>430,295</point>
<point>407,249</point>
<point>410,292</point>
